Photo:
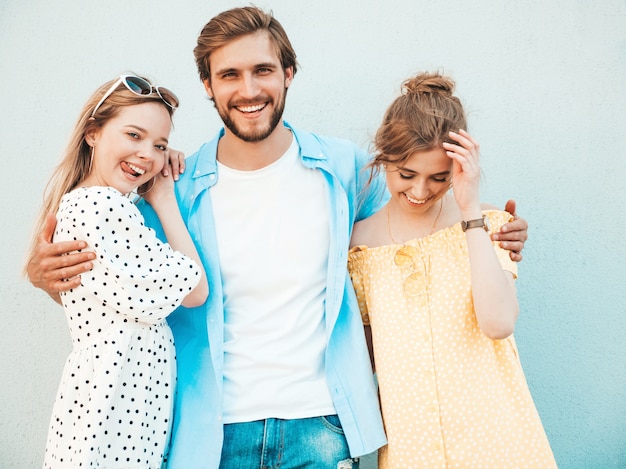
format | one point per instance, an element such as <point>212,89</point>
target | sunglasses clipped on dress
<point>141,87</point>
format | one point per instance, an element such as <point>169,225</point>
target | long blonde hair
<point>75,164</point>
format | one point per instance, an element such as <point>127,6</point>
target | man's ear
<point>288,76</point>
<point>207,88</point>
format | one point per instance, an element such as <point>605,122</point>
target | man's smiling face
<point>248,86</point>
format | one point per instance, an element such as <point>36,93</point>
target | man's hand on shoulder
<point>513,235</point>
<point>56,267</point>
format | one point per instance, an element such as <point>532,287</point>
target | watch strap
<point>477,223</point>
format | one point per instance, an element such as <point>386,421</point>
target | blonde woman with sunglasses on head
<point>114,404</point>
<point>440,298</point>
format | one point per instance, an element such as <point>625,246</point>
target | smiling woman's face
<point>129,149</point>
<point>421,181</point>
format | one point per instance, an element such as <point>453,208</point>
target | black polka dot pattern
<point>114,404</point>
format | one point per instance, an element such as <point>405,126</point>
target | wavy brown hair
<point>420,119</point>
<point>235,23</point>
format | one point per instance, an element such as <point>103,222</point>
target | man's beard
<point>261,134</point>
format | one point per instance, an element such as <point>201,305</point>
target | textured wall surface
<point>544,85</point>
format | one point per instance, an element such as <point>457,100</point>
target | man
<point>274,367</point>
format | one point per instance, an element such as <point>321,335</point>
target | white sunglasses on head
<point>141,87</point>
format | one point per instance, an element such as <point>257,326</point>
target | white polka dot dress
<point>114,404</point>
<point>451,397</point>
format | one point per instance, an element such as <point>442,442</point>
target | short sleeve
<point>356,275</point>
<point>135,273</point>
<point>497,218</point>
<point>371,187</point>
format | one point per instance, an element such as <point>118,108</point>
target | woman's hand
<point>465,173</point>
<point>162,190</point>
<point>174,163</point>
<point>465,183</point>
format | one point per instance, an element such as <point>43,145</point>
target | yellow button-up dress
<point>450,396</point>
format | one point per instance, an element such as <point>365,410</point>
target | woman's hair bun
<point>433,83</point>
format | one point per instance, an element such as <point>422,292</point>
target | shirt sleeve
<point>372,189</point>
<point>134,272</point>
<point>356,275</point>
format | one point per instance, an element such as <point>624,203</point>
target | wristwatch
<point>478,223</point>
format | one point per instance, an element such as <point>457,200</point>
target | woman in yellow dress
<point>440,298</point>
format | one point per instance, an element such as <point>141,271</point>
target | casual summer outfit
<point>114,404</point>
<point>211,341</point>
<point>451,397</point>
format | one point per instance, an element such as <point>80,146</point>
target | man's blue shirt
<point>197,432</point>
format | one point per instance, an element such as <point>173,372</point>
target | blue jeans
<point>316,442</point>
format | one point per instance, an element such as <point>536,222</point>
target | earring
<point>93,149</point>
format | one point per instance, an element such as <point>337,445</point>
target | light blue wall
<point>545,84</point>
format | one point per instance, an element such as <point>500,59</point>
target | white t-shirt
<point>273,236</point>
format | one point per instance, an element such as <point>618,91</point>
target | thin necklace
<point>432,230</point>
